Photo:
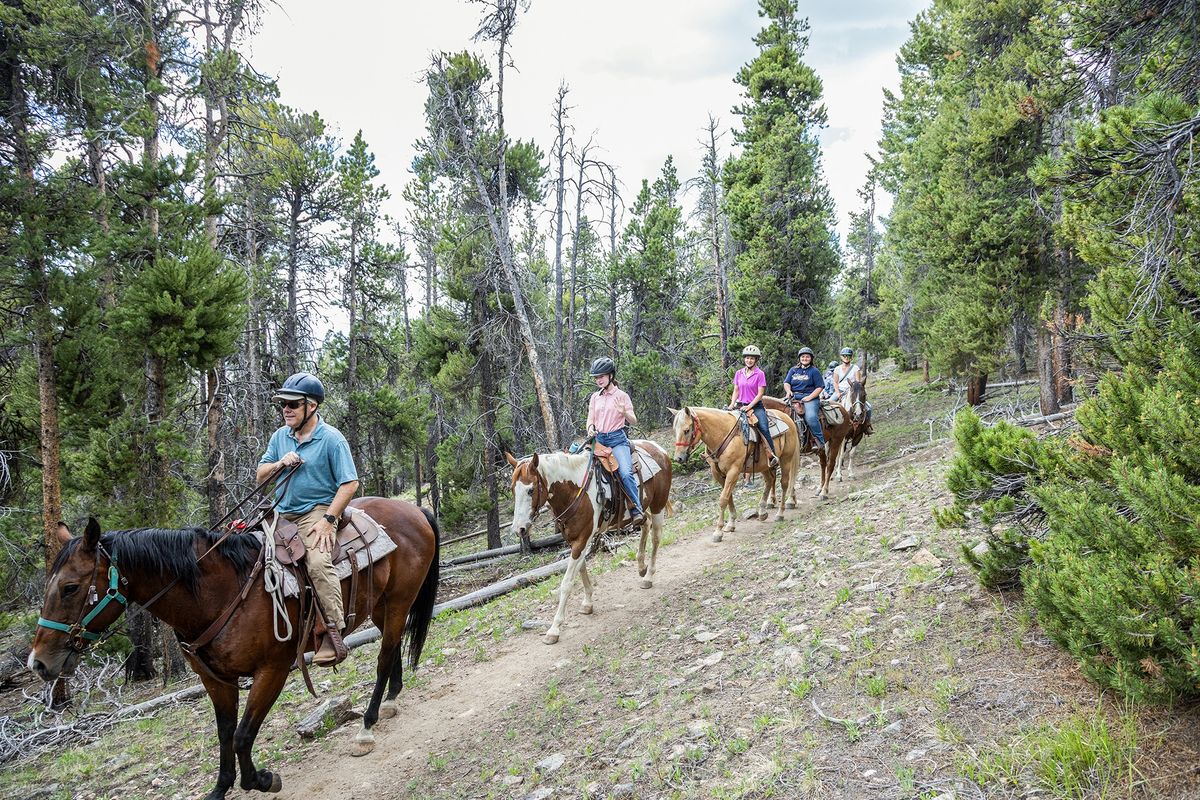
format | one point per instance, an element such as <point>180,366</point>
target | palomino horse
<point>195,587</point>
<point>856,403</point>
<point>718,429</point>
<point>564,481</point>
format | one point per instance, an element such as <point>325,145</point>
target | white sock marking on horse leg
<point>586,579</point>
<point>564,592</point>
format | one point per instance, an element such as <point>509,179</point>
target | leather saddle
<point>355,533</point>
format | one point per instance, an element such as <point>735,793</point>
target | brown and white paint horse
<point>835,435</point>
<point>561,480</point>
<point>856,406</point>
<point>718,430</point>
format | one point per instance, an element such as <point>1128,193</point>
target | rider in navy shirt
<point>804,383</point>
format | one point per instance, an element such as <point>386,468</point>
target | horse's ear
<point>509,458</point>
<point>674,411</point>
<point>533,462</point>
<point>91,534</point>
<point>64,533</point>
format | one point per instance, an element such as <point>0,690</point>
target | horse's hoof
<point>364,742</point>
<point>642,572</point>
<point>771,504</point>
<point>276,784</point>
<point>388,710</point>
<point>730,528</point>
<point>550,638</point>
<point>647,583</point>
<point>791,504</point>
<point>717,536</point>
<point>586,609</point>
<point>779,517</point>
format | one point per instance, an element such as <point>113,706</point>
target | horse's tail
<point>422,608</point>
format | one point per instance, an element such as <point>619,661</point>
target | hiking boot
<point>637,519</point>
<point>773,462</point>
<point>327,653</point>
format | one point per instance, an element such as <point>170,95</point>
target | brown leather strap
<point>307,620</point>
<point>351,613</point>
<point>717,453</point>
<point>218,624</point>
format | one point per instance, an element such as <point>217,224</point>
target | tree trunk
<point>352,427</point>
<point>1047,394</point>
<point>497,216</point>
<point>976,386</point>
<point>214,484</point>
<point>560,153</point>
<point>290,323</point>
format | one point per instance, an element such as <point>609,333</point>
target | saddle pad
<point>777,426</point>
<point>382,546</point>
<point>646,467</point>
<point>832,412</point>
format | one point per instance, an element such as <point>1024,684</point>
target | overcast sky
<point>644,74</point>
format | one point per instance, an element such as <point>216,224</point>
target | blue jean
<point>619,443</point>
<point>764,426</point>
<point>812,416</point>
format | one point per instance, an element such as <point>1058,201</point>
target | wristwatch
<point>331,519</point>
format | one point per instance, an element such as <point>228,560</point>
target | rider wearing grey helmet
<point>749,386</point>
<point>609,411</point>
<point>803,384</point>
<point>315,495</point>
<point>843,374</point>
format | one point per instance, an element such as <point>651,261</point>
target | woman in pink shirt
<point>749,386</point>
<point>609,411</point>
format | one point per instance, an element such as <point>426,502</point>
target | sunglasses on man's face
<point>292,404</point>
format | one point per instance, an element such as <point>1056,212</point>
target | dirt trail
<point>449,715</point>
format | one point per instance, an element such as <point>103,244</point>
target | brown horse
<point>202,584</point>
<point>727,455</point>
<point>834,436</point>
<point>860,426</point>
<point>564,481</point>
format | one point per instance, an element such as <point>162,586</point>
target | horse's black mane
<point>171,552</point>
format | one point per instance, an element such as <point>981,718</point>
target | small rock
<point>867,587</point>
<point>907,543</point>
<point>980,550</point>
<point>788,583</point>
<point>540,794</point>
<point>946,796</point>
<point>895,727</point>
<point>707,636</point>
<point>750,513</point>
<point>551,763</point>
<point>712,660</point>
<point>913,755</point>
<point>534,625</point>
<point>925,558</point>
<point>698,728</point>
<point>593,789</point>
<point>869,773</point>
<point>512,780</point>
<point>621,790</point>
<point>330,714</point>
<point>449,651</point>
<point>678,506</point>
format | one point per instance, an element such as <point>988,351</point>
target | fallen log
<point>1047,418</point>
<point>473,534</point>
<point>536,544</point>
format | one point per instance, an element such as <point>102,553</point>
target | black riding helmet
<point>301,386</point>
<point>603,366</point>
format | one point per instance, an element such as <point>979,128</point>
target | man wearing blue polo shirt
<point>316,495</point>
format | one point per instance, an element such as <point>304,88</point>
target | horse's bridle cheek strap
<point>81,637</point>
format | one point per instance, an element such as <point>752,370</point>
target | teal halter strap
<point>79,629</point>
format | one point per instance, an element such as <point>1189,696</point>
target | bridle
<point>858,411</point>
<point>541,496</point>
<point>696,435</point>
<point>80,638</point>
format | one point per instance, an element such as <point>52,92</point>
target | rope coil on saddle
<point>273,581</point>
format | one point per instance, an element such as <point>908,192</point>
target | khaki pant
<point>320,567</point>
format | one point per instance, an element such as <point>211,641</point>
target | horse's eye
<point>529,491</point>
<point>70,589</point>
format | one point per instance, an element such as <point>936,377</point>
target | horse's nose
<point>521,531</point>
<point>38,668</point>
